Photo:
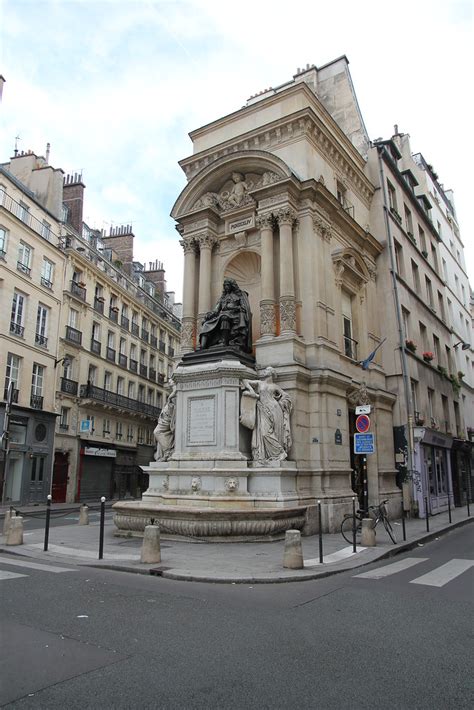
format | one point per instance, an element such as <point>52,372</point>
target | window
<point>141,393</point>
<point>23,212</point>
<point>416,276</point>
<point>437,348</point>
<point>133,352</point>
<point>408,221</point>
<point>140,437</point>
<point>47,273</point>
<point>444,403</point>
<point>90,418</point>
<point>350,344</point>
<point>118,430</point>
<point>441,306</point>
<point>463,292</point>
<point>129,432</point>
<point>392,196</point>
<point>92,375</point>
<point>431,410</point>
<point>12,372</point>
<point>96,331</point>
<point>3,241</point>
<point>423,336</point>
<point>150,396</point>
<point>434,256</point>
<point>131,390</point>
<point>64,419</point>
<point>398,258</point>
<point>142,357</point>
<point>123,346</point>
<point>41,335</point>
<point>24,258</point>
<point>445,270</point>
<point>120,385</point>
<point>414,397</point>
<point>449,360</point>
<point>73,318</point>
<point>46,230</point>
<point>422,237</point>
<point>17,314</point>
<point>107,380</point>
<point>106,427</point>
<point>406,322</point>
<point>111,339</point>
<point>429,292</point>
<point>37,380</point>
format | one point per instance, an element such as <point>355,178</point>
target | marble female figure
<point>271,435</point>
<point>164,430</point>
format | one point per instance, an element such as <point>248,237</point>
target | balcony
<point>41,340</point>
<point>73,335</point>
<point>96,346</point>
<point>350,347</point>
<point>153,341</point>
<point>24,268</point>
<point>122,360</point>
<point>113,399</point>
<point>145,335</point>
<point>135,329</point>
<point>17,329</point>
<point>124,322</point>
<point>78,290</point>
<point>113,314</point>
<point>143,370</point>
<point>63,426</point>
<point>14,395</point>
<point>152,374</point>
<point>110,354</point>
<point>36,401</point>
<point>69,386</point>
<point>46,282</point>
<point>99,305</point>
<point>133,365</point>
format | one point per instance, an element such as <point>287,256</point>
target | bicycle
<point>377,512</point>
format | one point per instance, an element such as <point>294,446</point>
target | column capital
<point>206,240</point>
<point>188,244</point>
<point>322,228</point>
<point>285,215</point>
<point>265,221</point>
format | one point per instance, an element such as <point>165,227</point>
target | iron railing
<point>69,386</point>
<point>98,394</point>
<point>73,335</point>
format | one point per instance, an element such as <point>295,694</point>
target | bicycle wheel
<point>346,529</point>
<point>389,529</point>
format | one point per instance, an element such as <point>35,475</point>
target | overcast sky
<point>116,85</point>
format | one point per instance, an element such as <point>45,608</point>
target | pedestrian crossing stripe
<point>438,577</point>
<point>10,575</point>
<point>5,559</point>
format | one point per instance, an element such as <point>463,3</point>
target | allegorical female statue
<point>164,430</point>
<point>230,323</point>
<point>270,420</point>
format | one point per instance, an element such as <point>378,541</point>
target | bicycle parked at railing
<point>376,512</point>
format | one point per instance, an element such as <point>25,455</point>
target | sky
<point>115,86</point>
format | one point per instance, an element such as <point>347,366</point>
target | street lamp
<point>465,346</point>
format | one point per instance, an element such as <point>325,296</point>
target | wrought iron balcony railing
<point>69,386</point>
<point>110,354</point>
<point>78,290</point>
<point>41,340</point>
<point>36,401</point>
<point>17,329</point>
<point>124,322</point>
<point>73,335</point>
<point>122,360</point>
<point>98,394</point>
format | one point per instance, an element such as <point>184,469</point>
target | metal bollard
<point>404,529</point>
<point>354,528</point>
<point>101,529</point>
<point>449,508</point>
<point>427,515</point>
<point>320,534</point>
<point>15,531</point>
<point>46,526</point>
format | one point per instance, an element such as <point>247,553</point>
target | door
<point>60,471</point>
<point>36,488</point>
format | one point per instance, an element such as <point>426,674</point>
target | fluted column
<point>189,289</point>
<point>267,294</point>
<point>206,242</point>
<point>286,218</point>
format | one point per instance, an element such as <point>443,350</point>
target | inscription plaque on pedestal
<point>201,421</point>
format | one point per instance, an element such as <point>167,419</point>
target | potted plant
<point>424,253</point>
<point>460,375</point>
<point>410,345</point>
<point>428,356</point>
<point>442,371</point>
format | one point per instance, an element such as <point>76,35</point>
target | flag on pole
<point>365,363</point>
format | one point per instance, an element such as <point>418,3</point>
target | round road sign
<point>362,423</point>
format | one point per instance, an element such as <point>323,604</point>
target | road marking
<point>86,554</point>
<point>10,575</point>
<point>33,565</point>
<point>334,556</point>
<point>444,574</point>
<point>395,567</point>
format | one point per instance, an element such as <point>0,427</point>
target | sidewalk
<point>257,562</point>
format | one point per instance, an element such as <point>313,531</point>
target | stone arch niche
<point>245,268</point>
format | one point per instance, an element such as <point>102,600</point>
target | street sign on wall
<point>363,409</point>
<point>364,443</point>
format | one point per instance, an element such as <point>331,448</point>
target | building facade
<point>90,330</point>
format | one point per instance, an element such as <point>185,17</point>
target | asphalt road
<point>89,638</point>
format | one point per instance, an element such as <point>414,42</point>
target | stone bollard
<point>6,521</point>
<point>84,515</point>
<point>368,533</point>
<point>15,531</point>
<point>151,551</point>
<point>293,554</point>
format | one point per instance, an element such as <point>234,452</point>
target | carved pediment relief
<point>350,267</point>
<point>235,191</point>
<point>359,395</point>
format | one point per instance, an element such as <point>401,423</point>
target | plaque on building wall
<point>241,224</point>
<point>201,421</point>
<point>338,437</point>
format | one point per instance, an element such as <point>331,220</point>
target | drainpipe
<point>401,337</point>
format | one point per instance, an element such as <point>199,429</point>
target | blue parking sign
<point>364,443</point>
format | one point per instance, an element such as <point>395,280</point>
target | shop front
<point>433,483</point>
<point>95,472</point>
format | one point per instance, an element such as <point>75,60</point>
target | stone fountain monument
<point>223,468</point>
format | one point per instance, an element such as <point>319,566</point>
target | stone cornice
<point>332,144</point>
